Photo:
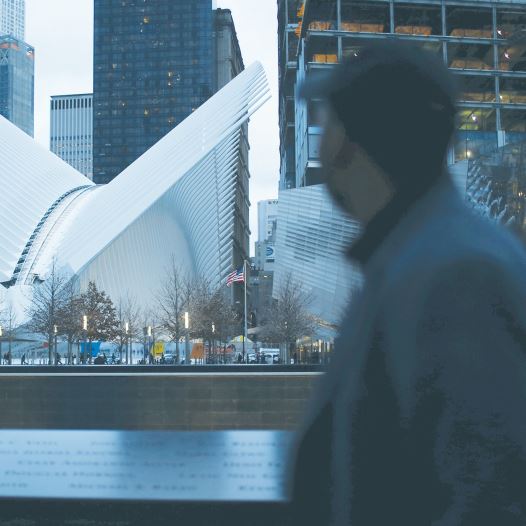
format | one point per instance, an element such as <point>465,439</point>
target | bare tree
<point>172,301</point>
<point>212,315</point>
<point>199,302</point>
<point>129,330</point>
<point>220,320</point>
<point>288,319</point>
<point>199,295</point>
<point>46,305</point>
<point>70,316</point>
<point>10,323</point>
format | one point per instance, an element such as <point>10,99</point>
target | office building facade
<point>17,70</point>
<point>153,66</point>
<point>71,131</point>
<point>288,33</point>
<point>265,251</point>
<point>228,56</point>
<point>267,218</point>
<point>13,18</point>
<point>482,42</point>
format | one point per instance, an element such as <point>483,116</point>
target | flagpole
<point>245,302</point>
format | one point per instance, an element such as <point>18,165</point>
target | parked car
<point>169,358</point>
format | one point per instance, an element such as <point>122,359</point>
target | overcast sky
<point>62,33</point>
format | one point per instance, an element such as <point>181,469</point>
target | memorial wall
<point>154,401</point>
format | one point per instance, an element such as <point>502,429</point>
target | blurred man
<point>420,419</point>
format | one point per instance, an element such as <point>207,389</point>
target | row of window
<point>123,98</point>
<point>108,146</point>
<point>130,57</point>
<point>77,140</point>
<point>69,104</point>
<point>140,86</point>
<point>426,18</point>
<point>184,8</point>
<point>135,128</point>
<point>459,55</point>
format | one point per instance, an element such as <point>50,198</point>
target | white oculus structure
<point>177,198</point>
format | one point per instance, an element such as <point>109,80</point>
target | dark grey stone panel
<point>172,401</point>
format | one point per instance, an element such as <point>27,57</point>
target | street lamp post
<point>149,333</point>
<point>55,331</point>
<point>286,353</point>
<point>144,330</point>
<point>245,326</point>
<point>213,341</point>
<point>126,329</point>
<point>186,343</point>
<point>85,329</point>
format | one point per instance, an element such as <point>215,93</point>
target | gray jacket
<point>421,418</point>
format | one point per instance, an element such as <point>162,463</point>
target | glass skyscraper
<point>153,65</point>
<point>12,18</point>
<point>17,66</point>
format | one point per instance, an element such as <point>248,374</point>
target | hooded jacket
<point>421,418</point>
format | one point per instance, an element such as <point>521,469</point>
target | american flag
<point>236,275</point>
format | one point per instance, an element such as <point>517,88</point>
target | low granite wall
<point>175,401</point>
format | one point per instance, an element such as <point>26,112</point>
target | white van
<point>271,355</point>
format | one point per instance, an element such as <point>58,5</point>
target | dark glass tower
<point>153,65</point>
<point>17,67</point>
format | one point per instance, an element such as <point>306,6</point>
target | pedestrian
<point>420,417</point>
<point>58,359</point>
<point>23,360</point>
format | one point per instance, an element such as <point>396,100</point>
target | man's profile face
<point>354,180</point>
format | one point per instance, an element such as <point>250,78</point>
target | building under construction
<point>484,45</point>
<point>482,42</point>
